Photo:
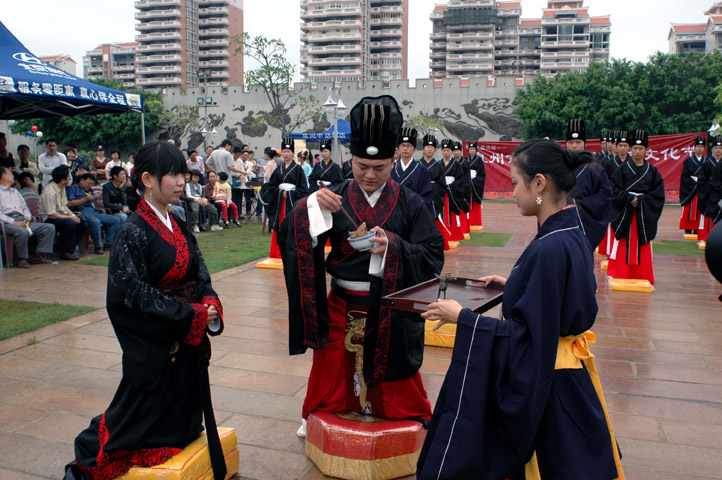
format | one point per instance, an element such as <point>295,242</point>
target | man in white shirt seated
<point>48,161</point>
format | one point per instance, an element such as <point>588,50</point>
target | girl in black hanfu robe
<point>521,392</point>
<point>455,195</point>
<point>162,307</point>
<point>326,170</point>
<point>477,173</point>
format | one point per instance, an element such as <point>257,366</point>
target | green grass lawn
<point>486,239</point>
<point>221,250</point>
<point>679,248</point>
<point>21,317</point>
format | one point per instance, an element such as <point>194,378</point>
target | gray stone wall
<point>472,111</point>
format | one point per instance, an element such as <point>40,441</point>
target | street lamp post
<point>205,101</point>
<point>333,106</point>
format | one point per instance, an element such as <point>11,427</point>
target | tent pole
<point>142,128</point>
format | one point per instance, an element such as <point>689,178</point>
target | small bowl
<point>363,243</point>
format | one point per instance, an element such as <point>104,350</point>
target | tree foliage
<point>669,94</point>
<point>422,123</point>
<point>120,130</point>
<point>274,76</point>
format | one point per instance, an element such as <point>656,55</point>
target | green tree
<point>87,131</point>
<point>669,94</point>
<point>274,76</point>
<point>422,123</point>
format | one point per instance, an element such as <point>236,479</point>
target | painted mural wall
<point>474,110</point>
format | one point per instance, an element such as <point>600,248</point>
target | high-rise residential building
<point>347,40</point>
<point>63,62</point>
<point>490,38</point>
<point>112,61</point>
<point>698,37</point>
<point>182,40</point>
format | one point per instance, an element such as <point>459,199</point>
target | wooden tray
<point>464,290</point>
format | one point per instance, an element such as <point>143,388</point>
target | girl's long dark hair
<point>158,159</point>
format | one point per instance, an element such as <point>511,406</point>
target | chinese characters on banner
<point>666,152</point>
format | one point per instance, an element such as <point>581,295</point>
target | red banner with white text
<point>666,152</point>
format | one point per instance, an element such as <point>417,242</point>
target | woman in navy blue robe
<point>326,170</point>
<point>516,396</point>
<point>162,307</point>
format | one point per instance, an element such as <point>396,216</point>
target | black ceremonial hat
<point>604,137</point>
<point>639,137</point>
<point>447,143</point>
<point>408,135</point>
<point>716,141</point>
<point>623,137</point>
<point>700,141</point>
<point>457,146</point>
<point>325,145</point>
<point>430,140</point>
<point>614,136</point>
<point>288,143</point>
<point>577,129</point>
<point>375,126</point>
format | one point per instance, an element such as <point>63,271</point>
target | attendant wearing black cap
<point>688,183</point>
<point>287,185</point>
<point>708,187</point>
<point>438,186</point>
<point>326,170</point>
<point>592,192</point>
<point>409,172</point>
<point>455,194</point>
<point>477,172</point>
<point>367,356</point>
<point>638,202</point>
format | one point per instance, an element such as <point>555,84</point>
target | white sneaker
<point>196,229</point>
<point>301,432</point>
<point>216,228</point>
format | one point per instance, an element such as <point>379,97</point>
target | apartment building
<point>491,38</point>
<point>698,37</point>
<point>354,40</point>
<point>112,61</point>
<point>63,62</point>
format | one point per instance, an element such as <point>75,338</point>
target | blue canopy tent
<point>31,88</point>
<point>344,133</point>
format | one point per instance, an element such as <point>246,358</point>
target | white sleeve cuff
<point>319,219</point>
<point>215,326</point>
<point>378,262</point>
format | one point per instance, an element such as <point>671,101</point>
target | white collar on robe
<point>166,220</point>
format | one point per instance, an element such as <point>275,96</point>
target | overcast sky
<point>50,27</point>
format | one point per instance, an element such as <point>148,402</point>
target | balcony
<point>385,55</point>
<point>324,37</point>
<point>217,74</point>
<point>128,67</point>
<point>471,36</point>
<point>144,4</point>
<point>328,73</point>
<point>213,53</point>
<point>566,43</point>
<point>470,56</point>
<point>154,37</point>
<point>93,69</point>
<point>214,42</point>
<point>158,59</point>
<point>343,61</point>
<point>213,11</point>
<point>159,69</point>
<point>389,44</point>
<point>207,3</point>
<point>164,13</point>
<point>212,21</point>
<point>456,47</point>
<point>386,32</point>
<point>158,47</point>
<point>158,81</point>
<point>438,36</point>
<point>334,49</point>
<point>331,12</point>
<point>332,24</point>
<point>125,76</point>
<point>165,25</point>
<point>386,21</point>
<point>214,63</point>
<point>212,32</point>
<point>390,9</point>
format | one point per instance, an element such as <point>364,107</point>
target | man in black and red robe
<point>688,183</point>
<point>367,356</point>
<point>638,202</point>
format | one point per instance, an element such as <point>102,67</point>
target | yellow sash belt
<point>571,353</point>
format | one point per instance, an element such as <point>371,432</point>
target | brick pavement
<point>659,356</point>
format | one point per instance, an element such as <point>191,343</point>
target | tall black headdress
<point>375,126</point>
<point>288,143</point>
<point>700,141</point>
<point>430,140</point>
<point>623,137</point>
<point>447,143</point>
<point>577,129</point>
<point>325,145</point>
<point>457,146</point>
<point>716,141</point>
<point>639,137</point>
<point>408,135</point>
